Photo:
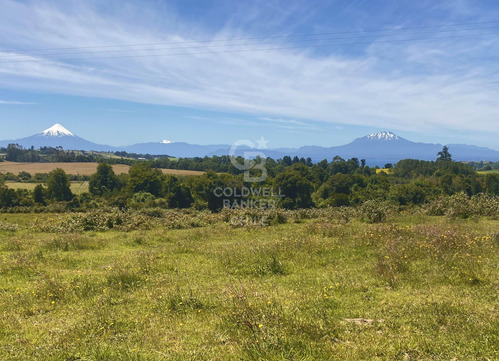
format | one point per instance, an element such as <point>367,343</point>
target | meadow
<point>162,285</point>
<point>492,171</point>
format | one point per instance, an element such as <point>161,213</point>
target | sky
<point>216,71</point>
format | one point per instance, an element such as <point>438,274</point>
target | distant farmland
<point>76,168</point>
<point>76,187</point>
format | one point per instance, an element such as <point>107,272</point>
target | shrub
<point>11,227</point>
<point>375,211</point>
<point>459,206</point>
<point>485,205</point>
<point>272,266</point>
<point>96,220</point>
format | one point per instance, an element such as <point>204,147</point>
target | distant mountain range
<point>377,148</point>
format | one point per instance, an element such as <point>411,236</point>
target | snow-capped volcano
<point>385,135</point>
<point>57,130</point>
<point>57,136</point>
<point>376,148</point>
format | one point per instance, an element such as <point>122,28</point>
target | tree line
<point>301,184</point>
<point>17,153</point>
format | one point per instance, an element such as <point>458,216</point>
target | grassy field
<point>388,171</point>
<point>76,168</point>
<point>76,187</point>
<point>415,287</point>
<point>493,171</point>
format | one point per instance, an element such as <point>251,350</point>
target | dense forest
<point>291,183</point>
<point>17,153</point>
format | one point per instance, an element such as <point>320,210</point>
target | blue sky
<point>330,71</point>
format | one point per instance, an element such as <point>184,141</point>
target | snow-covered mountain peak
<point>57,130</point>
<point>385,135</point>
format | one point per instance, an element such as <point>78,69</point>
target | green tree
<point>339,200</point>
<point>177,194</point>
<point>296,189</point>
<point>58,186</point>
<point>444,155</point>
<point>287,160</point>
<point>208,190</point>
<point>446,183</point>
<point>491,181</point>
<point>411,193</point>
<point>24,176</point>
<point>143,178</point>
<point>8,197</point>
<point>103,181</point>
<point>38,194</point>
<point>14,152</point>
<point>335,191</point>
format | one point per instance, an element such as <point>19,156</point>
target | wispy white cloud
<point>112,110</point>
<point>418,86</point>
<point>12,102</point>
<point>285,121</point>
<point>289,124</point>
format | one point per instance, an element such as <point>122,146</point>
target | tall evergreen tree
<point>58,185</point>
<point>103,181</point>
<point>444,155</point>
<point>38,195</point>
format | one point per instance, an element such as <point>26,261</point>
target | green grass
<point>416,287</point>
<point>493,171</point>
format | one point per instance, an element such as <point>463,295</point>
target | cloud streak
<point>418,86</point>
<point>13,102</point>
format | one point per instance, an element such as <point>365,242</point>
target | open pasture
<point>415,287</point>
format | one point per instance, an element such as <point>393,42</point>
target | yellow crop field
<point>76,187</point>
<point>385,170</point>
<point>76,168</point>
